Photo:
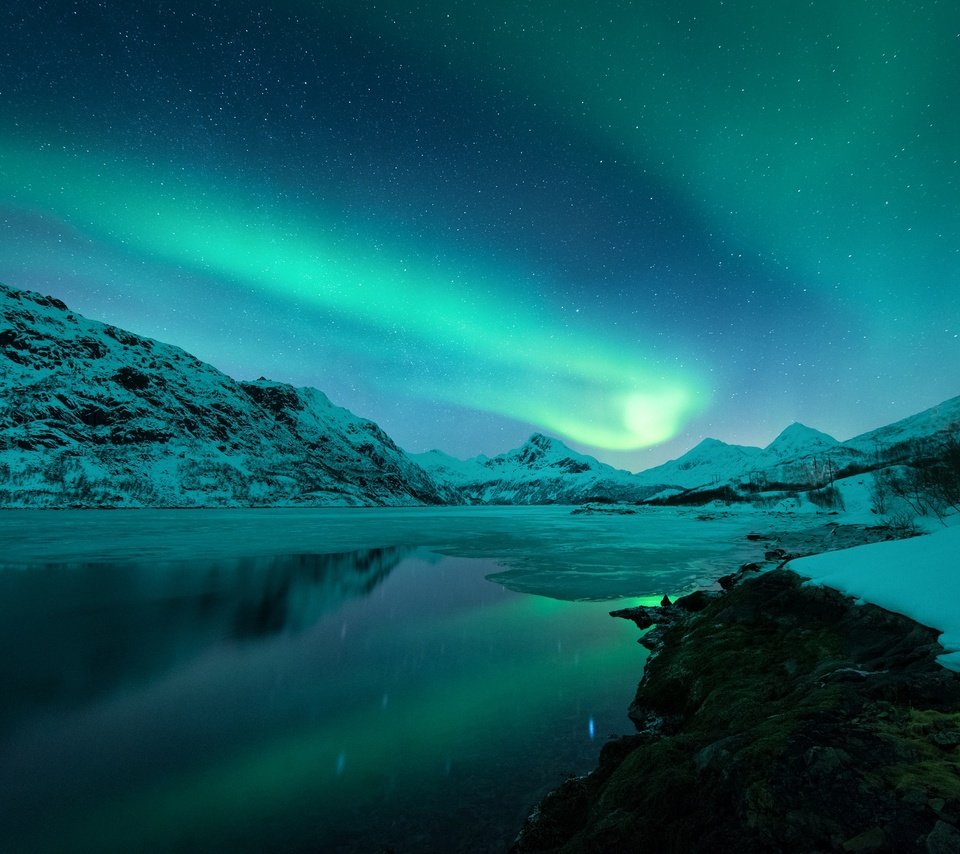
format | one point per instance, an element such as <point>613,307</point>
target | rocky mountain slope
<point>92,415</point>
<point>541,471</point>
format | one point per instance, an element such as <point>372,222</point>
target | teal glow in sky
<point>626,224</point>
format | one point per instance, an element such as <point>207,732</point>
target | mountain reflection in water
<point>82,629</point>
<point>245,700</point>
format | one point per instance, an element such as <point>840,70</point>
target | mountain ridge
<point>798,454</point>
<point>93,415</point>
<point>542,470</point>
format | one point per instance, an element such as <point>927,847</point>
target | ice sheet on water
<point>544,550</point>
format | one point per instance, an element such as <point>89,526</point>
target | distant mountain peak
<point>709,442</point>
<point>799,437</point>
<point>542,440</point>
<point>542,470</point>
<point>797,428</point>
<point>539,446</point>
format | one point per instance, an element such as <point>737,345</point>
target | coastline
<point>774,716</point>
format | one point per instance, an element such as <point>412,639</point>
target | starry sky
<point>630,225</point>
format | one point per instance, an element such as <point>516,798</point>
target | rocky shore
<point>772,717</point>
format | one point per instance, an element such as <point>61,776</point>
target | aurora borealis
<point>628,224</point>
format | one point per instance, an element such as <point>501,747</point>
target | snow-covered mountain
<point>95,415</point>
<point>797,441</point>
<point>802,455</point>
<point>544,470</point>
<point>92,415</point>
<point>541,471</point>
<point>939,419</point>
<point>708,464</point>
<point>795,456</point>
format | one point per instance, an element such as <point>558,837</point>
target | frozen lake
<point>302,680</point>
<point>544,550</point>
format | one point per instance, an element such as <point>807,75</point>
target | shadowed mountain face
<point>92,415</point>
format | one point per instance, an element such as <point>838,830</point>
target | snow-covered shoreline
<point>917,577</point>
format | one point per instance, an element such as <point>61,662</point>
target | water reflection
<point>84,629</point>
<point>293,591</point>
<point>381,698</point>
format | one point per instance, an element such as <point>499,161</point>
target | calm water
<point>316,680</point>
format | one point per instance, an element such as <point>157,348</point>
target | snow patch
<point>918,577</point>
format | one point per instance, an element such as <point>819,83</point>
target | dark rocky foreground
<point>774,717</point>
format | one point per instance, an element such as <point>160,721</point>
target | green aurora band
<point>820,137</point>
<point>815,141</point>
<point>520,365</point>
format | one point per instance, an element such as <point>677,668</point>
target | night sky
<point>627,224</point>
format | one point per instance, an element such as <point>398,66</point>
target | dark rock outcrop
<point>780,717</point>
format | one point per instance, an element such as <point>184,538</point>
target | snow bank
<point>919,577</point>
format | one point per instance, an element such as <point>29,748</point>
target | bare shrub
<point>903,524</point>
<point>828,498</point>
